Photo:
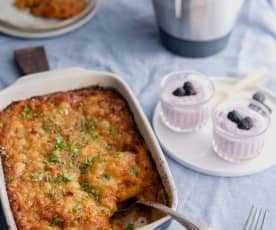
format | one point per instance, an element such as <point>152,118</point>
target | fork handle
<point>184,221</point>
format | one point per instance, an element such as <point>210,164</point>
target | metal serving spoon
<point>184,221</point>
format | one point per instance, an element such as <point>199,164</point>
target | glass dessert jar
<point>239,128</point>
<point>186,100</point>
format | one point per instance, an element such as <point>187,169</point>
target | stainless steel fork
<point>255,219</point>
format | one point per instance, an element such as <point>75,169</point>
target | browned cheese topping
<point>69,158</point>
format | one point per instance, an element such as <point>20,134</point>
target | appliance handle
<point>178,8</point>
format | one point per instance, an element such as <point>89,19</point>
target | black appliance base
<point>193,48</point>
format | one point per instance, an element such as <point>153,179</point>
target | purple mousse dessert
<point>186,100</point>
<point>238,130</point>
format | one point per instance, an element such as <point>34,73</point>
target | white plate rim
<point>206,171</point>
<point>13,31</point>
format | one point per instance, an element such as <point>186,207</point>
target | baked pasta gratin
<point>71,158</point>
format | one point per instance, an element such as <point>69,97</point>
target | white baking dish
<point>76,78</point>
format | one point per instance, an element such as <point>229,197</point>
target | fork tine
<point>260,213</point>
<point>250,218</point>
<point>255,219</point>
<point>263,220</point>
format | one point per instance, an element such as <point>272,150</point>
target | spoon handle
<point>251,81</point>
<point>184,221</point>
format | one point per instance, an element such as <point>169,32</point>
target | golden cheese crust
<point>69,158</point>
<point>60,9</point>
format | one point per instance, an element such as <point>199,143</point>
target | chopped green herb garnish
<point>51,124</point>
<point>31,175</point>
<point>91,190</point>
<point>47,188</point>
<point>94,121</point>
<point>74,150</point>
<point>85,124</point>
<point>45,161</point>
<point>11,179</point>
<point>112,131</point>
<point>27,113</point>
<point>83,166</point>
<point>60,145</point>
<point>28,162</point>
<point>61,109</point>
<point>94,135</point>
<point>53,157</point>
<point>71,164</point>
<point>58,179</point>
<point>77,208</point>
<point>35,209</point>
<point>129,227</point>
<point>51,117</point>
<point>65,178</point>
<point>47,126</point>
<point>84,196</point>
<point>105,159</point>
<point>108,176</point>
<point>89,161</point>
<point>55,222</point>
<point>135,170</point>
<point>108,147</point>
<point>75,222</point>
<point>105,211</point>
<point>82,136</point>
<point>38,177</point>
<point>1,124</point>
<point>94,192</point>
<point>84,186</point>
<point>120,154</point>
<point>81,105</point>
<point>52,194</point>
<point>48,177</point>
<point>3,153</point>
<point>52,105</point>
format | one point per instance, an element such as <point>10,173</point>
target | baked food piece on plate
<point>60,9</point>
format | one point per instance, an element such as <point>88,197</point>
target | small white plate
<point>47,28</point>
<point>194,150</point>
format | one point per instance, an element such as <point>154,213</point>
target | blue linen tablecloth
<point>123,38</point>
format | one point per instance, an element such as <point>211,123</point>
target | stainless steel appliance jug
<point>196,28</point>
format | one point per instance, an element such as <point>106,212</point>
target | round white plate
<point>194,150</point>
<point>61,28</point>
